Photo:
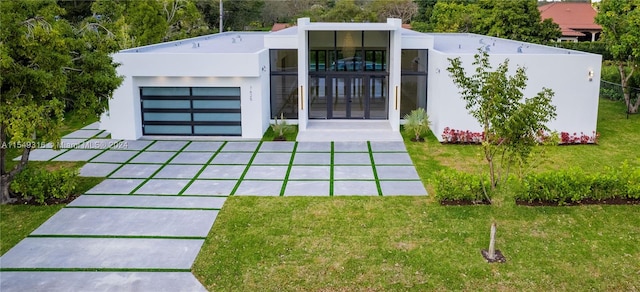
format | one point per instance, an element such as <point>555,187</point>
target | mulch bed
<point>614,201</point>
<point>50,201</point>
<point>463,202</point>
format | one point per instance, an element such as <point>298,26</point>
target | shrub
<point>417,123</point>
<point>43,185</point>
<point>451,185</point>
<point>573,185</point>
<point>280,128</point>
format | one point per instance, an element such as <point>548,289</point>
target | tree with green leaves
<point>454,17</point>
<point>403,9</point>
<point>620,21</point>
<point>517,20</point>
<point>48,67</point>
<point>511,123</point>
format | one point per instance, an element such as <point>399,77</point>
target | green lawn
<point>413,243</point>
<point>18,221</point>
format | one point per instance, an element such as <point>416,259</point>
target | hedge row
<point>451,185</point>
<point>42,185</point>
<point>574,186</point>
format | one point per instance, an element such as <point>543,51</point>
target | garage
<point>191,111</point>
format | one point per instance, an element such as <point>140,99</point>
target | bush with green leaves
<point>42,184</point>
<point>280,128</point>
<point>574,185</point>
<point>452,185</point>
<point>417,123</point>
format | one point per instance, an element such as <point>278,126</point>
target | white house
<point>235,83</point>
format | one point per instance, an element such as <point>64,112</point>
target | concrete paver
<point>82,133</point>
<point>314,147</point>
<point>266,172</point>
<point>343,172</point>
<point>114,156</point>
<point>272,158</point>
<point>222,172</point>
<point>305,172</point>
<point>178,171</point>
<point>392,158</point>
<point>132,222</point>
<point>204,146</point>
<point>351,158</point>
<point>42,154</point>
<point>148,201</point>
<point>115,186</point>
<point>259,188</point>
<point>167,145</point>
<point>307,188</point>
<point>102,253</point>
<point>152,157</point>
<point>77,155</point>
<point>385,146</point>
<point>350,147</point>
<point>98,169</point>
<point>410,188</point>
<point>232,158</point>
<point>277,146</point>
<point>240,146</point>
<point>210,187</point>
<point>355,188</point>
<point>162,187</point>
<point>100,281</point>
<point>386,172</point>
<point>312,158</point>
<point>192,158</point>
<point>136,171</point>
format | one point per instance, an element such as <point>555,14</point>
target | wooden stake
<point>492,242</point>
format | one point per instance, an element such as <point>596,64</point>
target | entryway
<point>346,96</point>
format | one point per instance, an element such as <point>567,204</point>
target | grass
<point>18,221</point>
<point>409,243</point>
<point>290,135</point>
<point>413,243</point>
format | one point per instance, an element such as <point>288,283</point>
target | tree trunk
<point>7,176</point>
<point>492,242</point>
<point>6,198</point>
<point>626,90</point>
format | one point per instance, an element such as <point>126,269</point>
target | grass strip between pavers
<point>152,195</point>
<point>286,176</point>
<point>375,172</point>
<point>116,236</point>
<point>331,172</point>
<point>93,270</point>
<point>143,208</point>
<point>193,179</point>
<point>130,159</point>
<point>246,169</point>
<point>103,150</point>
<point>159,168</point>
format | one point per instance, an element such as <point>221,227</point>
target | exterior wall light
<point>590,75</point>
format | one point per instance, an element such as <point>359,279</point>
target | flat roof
<point>226,42</point>
<point>468,43</point>
<point>253,42</point>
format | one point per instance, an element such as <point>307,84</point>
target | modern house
<point>235,83</point>
<point>576,20</point>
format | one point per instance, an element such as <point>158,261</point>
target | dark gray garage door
<point>189,111</point>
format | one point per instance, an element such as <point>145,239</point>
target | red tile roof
<point>571,16</point>
<point>280,26</point>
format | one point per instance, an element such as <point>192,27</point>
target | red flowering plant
<point>582,138</point>
<point>453,136</point>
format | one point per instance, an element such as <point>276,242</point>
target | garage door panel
<point>217,130</point>
<point>217,117</point>
<point>167,130</point>
<point>216,104</point>
<point>185,117</point>
<point>203,111</point>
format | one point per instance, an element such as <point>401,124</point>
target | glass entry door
<point>348,98</point>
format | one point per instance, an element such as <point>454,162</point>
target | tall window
<point>414,64</point>
<point>284,83</point>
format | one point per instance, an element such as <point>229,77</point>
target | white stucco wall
<point>250,72</point>
<point>576,97</point>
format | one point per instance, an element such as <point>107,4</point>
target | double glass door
<point>348,97</point>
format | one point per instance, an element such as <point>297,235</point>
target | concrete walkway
<point>142,228</point>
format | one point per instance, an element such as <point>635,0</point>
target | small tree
<point>511,123</point>
<point>417,123</point>
<point>619,20</point>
